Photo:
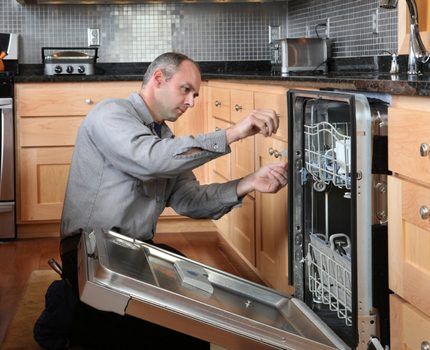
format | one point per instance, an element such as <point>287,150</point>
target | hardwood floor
<point>19,258</point>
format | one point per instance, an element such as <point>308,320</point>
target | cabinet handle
<point>89,101</point>
<point>237,108</point>
<point>217,128</point>
<point>425,345</point>
<point>217,103</point>
<point>424,151</point>
<point>425,214</point>
<point>274,152</point>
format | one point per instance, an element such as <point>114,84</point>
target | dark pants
<point>95,329</point>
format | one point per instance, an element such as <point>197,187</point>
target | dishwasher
<point>331,259</point>
<point>338,166</point>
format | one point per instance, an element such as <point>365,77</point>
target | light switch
<point>93,37</point>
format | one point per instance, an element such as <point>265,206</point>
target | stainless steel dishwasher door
<point>126,276</point>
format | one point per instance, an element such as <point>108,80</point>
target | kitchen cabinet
<point>48,116</point>
<point>272,220</point>
<point>409,326</point>
<point>257,231</point>
<point>408,212</point>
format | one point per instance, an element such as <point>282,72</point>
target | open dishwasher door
<point>127,276</point>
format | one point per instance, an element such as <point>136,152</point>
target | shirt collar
<point>143,111</point>
<point>141,108</point>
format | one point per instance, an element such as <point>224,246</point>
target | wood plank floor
<point>19,258</point>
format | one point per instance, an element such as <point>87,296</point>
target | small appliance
<point>68,60</point>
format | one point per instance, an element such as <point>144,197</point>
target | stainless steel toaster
<point>300,54</point>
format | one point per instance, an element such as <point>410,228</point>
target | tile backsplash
<point>357,27</point>
<point>139,33</point>
<point>206,32</point>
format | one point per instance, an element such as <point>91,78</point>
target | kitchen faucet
<point>417,50</point>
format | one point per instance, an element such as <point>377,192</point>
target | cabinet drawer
<point>67,99</point>
<point>270,149</point>
<point>408,132</point>
<point>242,103</point>
<point>48,131</point>
<point>409,242</point>
<point>277,102</point>
<point>410,328</point>
<point>220,103</point>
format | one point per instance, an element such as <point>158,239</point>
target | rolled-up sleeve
<point>130,146</point>
<point>203,201</point>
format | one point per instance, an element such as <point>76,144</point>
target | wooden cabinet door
<point>223,223</point>
<point>409,242</point>
<point>242,229</point>
<point>219,103</point>
<point>410,328</point>
<point>243,158</point>
<point>271,222</point>
<point>277,102</point>
<point>222,165</point>
<point>43,177</point>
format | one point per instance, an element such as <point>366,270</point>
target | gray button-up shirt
<point>123,175</point>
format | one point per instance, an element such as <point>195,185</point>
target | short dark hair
<point>169,63</point>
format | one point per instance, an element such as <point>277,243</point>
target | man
<point>127,167</point>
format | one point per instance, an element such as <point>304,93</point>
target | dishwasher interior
<point>337,201</point>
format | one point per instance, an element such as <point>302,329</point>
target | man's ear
<point>158,77</point>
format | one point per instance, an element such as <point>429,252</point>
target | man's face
<point>177,94</point>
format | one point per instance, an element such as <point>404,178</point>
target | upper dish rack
<point>328,153</point>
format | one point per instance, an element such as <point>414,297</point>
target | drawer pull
<point>424,151</point>
<point>274,152</point>
<point>217,128</point>
<point>217,103</point>
<point>425,214</point>
<point>237,108</point>
<point>89,101</point>
<point>425,345</point>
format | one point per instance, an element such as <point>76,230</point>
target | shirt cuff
<point>215,141</point>
<point>229,195</point>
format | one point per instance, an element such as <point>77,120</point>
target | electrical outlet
<point>327,28</point>
<point>93,37</point>
<point>308,31</point>
<point>375,24</point>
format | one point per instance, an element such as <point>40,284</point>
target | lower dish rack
<point>329,274</point>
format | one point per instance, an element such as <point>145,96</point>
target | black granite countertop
<point>361,74</point>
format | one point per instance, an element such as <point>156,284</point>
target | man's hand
<point>263,121</point>
<point>268,179</point>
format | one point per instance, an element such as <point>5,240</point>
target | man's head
<point>170,84</point>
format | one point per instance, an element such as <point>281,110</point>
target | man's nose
<point>190,100</point>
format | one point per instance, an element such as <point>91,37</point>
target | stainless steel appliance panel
<point>127,276</point>
<point>7,220</point>
<point>7,173</point>
<point>7,170</point>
